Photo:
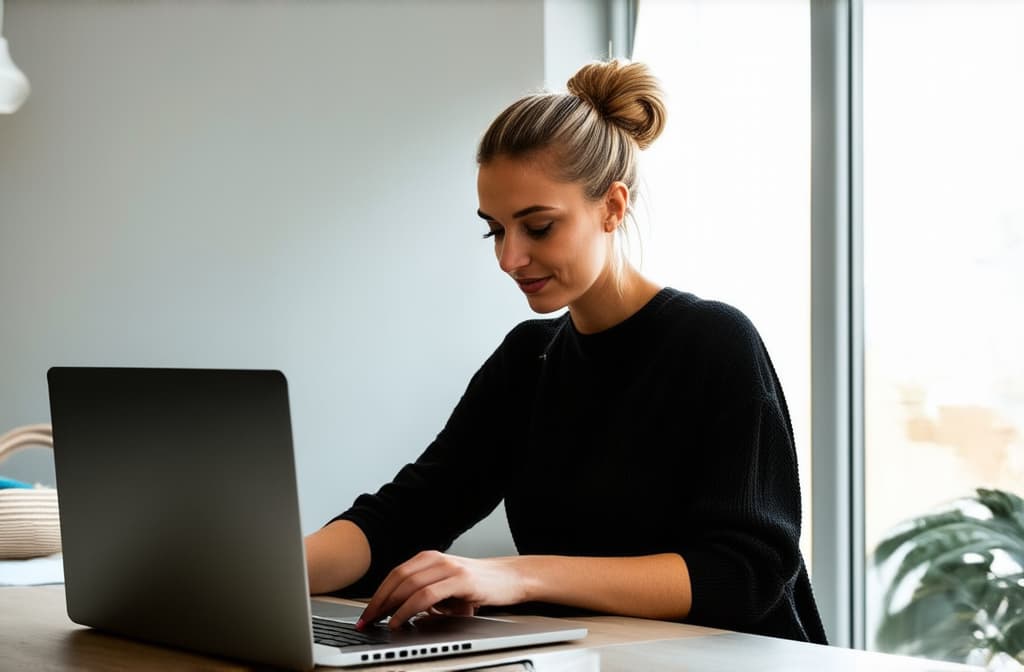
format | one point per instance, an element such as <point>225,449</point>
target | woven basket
<point>29,524</point>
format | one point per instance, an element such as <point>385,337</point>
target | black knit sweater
<point>668,432</point>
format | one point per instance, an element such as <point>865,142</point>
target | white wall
<point>262,184</point>
<point>575,32</point>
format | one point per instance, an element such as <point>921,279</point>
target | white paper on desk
<point>32,572</point>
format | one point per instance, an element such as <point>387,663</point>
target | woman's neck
<point>608,303</point>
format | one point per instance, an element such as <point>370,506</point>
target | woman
<point>641,441</point>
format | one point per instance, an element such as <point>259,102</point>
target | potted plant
<point>952,583</point>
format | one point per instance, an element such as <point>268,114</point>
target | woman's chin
<point>544,304</point>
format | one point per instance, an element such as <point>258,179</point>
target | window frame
<point>837,318</point>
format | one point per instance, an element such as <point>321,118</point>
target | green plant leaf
<point>958,604</point>
<point>913,529</point>
<point>1013,637</point>
<point>939,542</point>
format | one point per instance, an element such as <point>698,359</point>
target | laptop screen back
<point>179,513</point>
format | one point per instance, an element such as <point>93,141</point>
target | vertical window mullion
<point>856,320</point>
<point>834,324</point>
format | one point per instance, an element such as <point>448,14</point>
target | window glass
<point>944,326</point>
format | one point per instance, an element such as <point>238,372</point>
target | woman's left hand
<point>435,581</point>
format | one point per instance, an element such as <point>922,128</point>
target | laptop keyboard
<point>333,633</point>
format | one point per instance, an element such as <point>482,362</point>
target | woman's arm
<point>457,481</point>
<point>651,586</point>
<point>337,555</point>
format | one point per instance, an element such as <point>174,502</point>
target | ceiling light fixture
<point>14,86</point>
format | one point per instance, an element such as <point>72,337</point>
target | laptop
<point>180,525</point>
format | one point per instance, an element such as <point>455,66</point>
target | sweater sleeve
<point>744,555</point>
<point>457,481</point>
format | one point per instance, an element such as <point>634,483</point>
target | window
<point>944,319</point>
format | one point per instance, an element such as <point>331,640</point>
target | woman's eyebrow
<point>521,213</point>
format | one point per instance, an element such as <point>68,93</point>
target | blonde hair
<point>593,133</point>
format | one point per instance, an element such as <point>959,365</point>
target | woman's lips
<point>532,285</point>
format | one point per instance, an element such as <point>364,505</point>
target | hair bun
<point>626,94</point>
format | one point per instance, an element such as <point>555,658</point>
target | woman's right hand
<point>432,581</point>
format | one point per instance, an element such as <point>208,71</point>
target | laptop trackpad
<point>345,613</point>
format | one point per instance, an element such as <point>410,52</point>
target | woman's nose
<point>512,253</point>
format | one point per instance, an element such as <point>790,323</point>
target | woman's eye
<point>494,233</point>
<point>539,232</point>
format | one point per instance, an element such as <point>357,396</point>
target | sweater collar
<point>623,333</point>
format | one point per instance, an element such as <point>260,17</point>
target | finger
<point>411,585</point>
<point>423,599</point>
<point>373,611</point>
<point>387,598</point>
<point>400,583</point>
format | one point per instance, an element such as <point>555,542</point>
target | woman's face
<point>553,242</point>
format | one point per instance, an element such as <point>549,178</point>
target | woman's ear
<point>616,201</point>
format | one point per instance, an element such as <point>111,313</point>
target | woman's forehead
<point>509,183</point>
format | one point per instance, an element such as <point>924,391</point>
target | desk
<point>35,634</point>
